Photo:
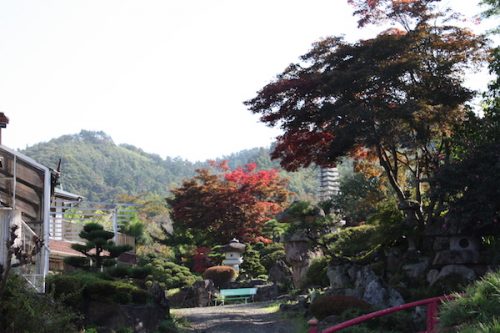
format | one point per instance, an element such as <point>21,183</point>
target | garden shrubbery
<point>170,275</point>
<point>24,310</point>
<point>361,243</point>
<point>353,242</point>
<point>316,273</point>
<point>251,266</point>
<point>220,275</point>
<point>477,310</point>
<point>80,287</point>
<point>271,253</point>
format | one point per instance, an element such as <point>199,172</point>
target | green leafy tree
<point>99,247</point>
<point>472,179</point>
<point>357,198</point>
<point>396,97</point>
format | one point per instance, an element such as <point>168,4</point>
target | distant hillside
<point>94,166</point>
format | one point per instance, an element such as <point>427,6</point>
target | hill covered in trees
<point>97,168</point>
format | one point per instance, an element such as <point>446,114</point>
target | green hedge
<point>79,287</point>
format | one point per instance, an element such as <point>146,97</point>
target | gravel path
<point>240,318</point>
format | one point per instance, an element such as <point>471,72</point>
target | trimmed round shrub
<point>220,275</point>
<point>169,274</point>
<point>325,306</point>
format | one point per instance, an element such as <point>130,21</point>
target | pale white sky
<point>166,76</point>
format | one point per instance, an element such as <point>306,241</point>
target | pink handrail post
<point>432,309</point>
<point>313,325</point>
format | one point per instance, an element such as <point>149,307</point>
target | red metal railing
<point>431,321</point>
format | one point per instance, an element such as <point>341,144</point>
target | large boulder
<point>203,292</point>
<point>456,271</point>
<point>416,270</point>
<point>267,292</point>
<point>160,296</point>
<point>199,294</point>
<point>280,273</point>
<point>339,276</point>
<point>361,282</point>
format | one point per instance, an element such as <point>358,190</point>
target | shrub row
<point>79,287</point>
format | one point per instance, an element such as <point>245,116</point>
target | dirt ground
<point>240,318</point>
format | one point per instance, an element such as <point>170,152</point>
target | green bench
<point>240,294</point>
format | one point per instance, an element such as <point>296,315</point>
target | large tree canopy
<point>214,208</point>
<point>398,97</point>
<point>472,180</point>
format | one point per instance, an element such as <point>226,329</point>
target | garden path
<point>240,318</point>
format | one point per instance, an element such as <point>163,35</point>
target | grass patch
<point>272,308</point>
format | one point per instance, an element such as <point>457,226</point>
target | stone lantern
<point>233,254</point>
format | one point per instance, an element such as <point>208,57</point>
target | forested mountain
<point>95,167</point>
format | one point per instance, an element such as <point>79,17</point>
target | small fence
<point>67,219</point>
<point>431,318</point>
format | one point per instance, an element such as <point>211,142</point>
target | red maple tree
<point>214,208</point>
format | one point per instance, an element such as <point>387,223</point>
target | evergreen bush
<point>272,253</point>
<point>24,310</point>
<point>80,287</point>
<point>251,266</point>
<point>316,273</point>
<point>477,310</point>
<point>169,274</point>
